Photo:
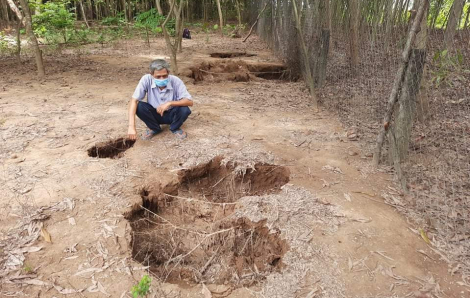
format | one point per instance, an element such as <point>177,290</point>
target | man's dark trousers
<point>175,116</point>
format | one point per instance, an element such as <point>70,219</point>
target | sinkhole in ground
<point>237,71</point>
<point>111,149</point>
<point>185,231</point>
<point>225,55</point>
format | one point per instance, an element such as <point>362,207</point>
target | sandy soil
<point>335,226</point>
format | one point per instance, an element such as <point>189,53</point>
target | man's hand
<point>132,133</point>
<point>164,107</point>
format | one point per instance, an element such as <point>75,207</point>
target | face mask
<point>161,83</point>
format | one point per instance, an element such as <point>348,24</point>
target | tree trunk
<point>5,13</point>
<point>83,13</point>
<point>400,133</point>
<point>308,73</point>
<point>159,7</point>
<point>34,41</point>
<point>18,40</point>
<point>16,10</point>
<point>453,22</point>
<point>323,44</point>
<point>354,36</point>
<point>221,18</point>
<point>124,10</point>
<point>239,15</point>
<point>399,78</point>
<point>172,47</point>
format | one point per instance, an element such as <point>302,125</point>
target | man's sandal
<point>180,134</point>
<point>148,134</point>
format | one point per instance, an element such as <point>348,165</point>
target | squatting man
<point>168,102</point>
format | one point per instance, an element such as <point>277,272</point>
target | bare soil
<point>265,198</point>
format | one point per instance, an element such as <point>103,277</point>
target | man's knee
<point>184,112</point>
<point>142,108</point>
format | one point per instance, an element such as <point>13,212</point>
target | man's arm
<point>184,102</point>
<point>132,133</point>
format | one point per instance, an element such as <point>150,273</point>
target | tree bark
<point>453,23</point>
<point>5,13</point>
<point>308,73</point>
<point>239,15</point>
<point>18,40</point>
<point>172,47</point>
<point>16,10</point>
<point>34,41</point>
<point>400,76</point>
<point>83,13</point>
<point>159,7</point>
<point>323,44</point>
<point>354,36</point>
<point>400,133</point>
<point>221,18</point>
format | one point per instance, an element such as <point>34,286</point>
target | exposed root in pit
<point>237,71</point>
<point>231,55</point>
<point>184,231</point>
<point>111,149</point>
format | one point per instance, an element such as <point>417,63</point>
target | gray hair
<point>159,64</point>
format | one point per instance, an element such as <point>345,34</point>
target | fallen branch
<point>256,22</point>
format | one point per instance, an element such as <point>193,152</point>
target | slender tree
<point>453,22</point>
<point>305,55</point>
<point>172,46</point>
<point>405,115</point>
<point>29,30</point>
<point>399,78</point>
<point>221,18</point>
<point>354,13</point>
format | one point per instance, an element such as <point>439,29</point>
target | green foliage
<point>216,27</point>
<point>3,42</point>
<point>149,21</point>
<point>54,19</point>
<point>142,288</point>
<point>27,269</point>
<point>118,20</point>
<point>448,68</point>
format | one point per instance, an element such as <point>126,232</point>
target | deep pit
<point>184,231</point>
<point>111,149</point>
<point>238,71</point>
<point>231,55</point>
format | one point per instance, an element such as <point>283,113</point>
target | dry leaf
<point>72,221</point>
<point>31,249</point>
<point>205,291</point>
<point>67,291</point>
<point>102,289</point>
<point>347,197</point>
<point>424,236</point>
<point>45,234</point>
<point>312,293</point>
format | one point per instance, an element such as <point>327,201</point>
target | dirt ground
<point>319,224</point>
